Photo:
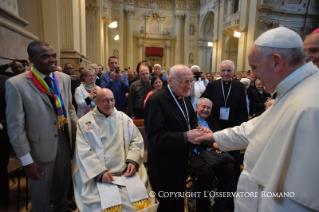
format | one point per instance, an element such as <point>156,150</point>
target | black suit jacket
<point>260,100</point>
<point>236,102</point>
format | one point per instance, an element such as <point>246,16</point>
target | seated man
<point>206,163</point>
<point>108,171</point>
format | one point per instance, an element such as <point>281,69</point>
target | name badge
<point>224,113</point>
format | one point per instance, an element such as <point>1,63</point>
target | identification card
<point>224,113</point>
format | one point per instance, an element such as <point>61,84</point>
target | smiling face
<point>181,81</point>
<point>204,109</point>
<point>311,48</point>
<point>105,101</point>
<point>44,59</point>
<point>158,84</point>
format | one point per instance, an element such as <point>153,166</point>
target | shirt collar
<point>43,76</point>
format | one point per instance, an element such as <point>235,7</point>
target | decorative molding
<point>116,53</point>
<point>129,13</point>
<point>90,9</point>
<point>179,17</point>
<point>13,17</point>
<point>129,1</point>
<point>262,24</point>
<point>17,29</point>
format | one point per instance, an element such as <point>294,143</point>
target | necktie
<point>48,80</point>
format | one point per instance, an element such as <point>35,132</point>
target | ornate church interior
<point>167,32</point>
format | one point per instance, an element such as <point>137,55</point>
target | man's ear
<point>30,59</point>
<point>169,80</point>
<point>278,63</point>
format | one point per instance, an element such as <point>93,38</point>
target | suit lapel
<point>43,95</point>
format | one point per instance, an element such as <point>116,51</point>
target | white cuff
<point>1,127</point>
<point>26,159</point>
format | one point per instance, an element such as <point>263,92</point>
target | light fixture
<point>113,24</point>
<point>117,37</point>
<point>210,44</point>
<point>237,34</point>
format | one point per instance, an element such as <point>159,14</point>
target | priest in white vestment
<point>281,159</point>
<point>108,171</point>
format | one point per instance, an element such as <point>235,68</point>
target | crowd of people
<point>196,123</point>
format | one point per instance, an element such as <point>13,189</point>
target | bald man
<point>311,47</point>
<point>170,123</point>
<point>108,156</point>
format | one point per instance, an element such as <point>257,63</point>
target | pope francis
<point>108,171</point>
<point>282,145</point>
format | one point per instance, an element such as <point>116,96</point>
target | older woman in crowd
<point>157,84</point>
<point>85,93</point>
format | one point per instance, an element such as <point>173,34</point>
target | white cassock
<point>197,90</point>
<point>106,144</point>
<point>282,148</point>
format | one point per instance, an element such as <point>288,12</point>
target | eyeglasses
<point>107,100</point>
<point>185,81</point>
<point>228,71</point>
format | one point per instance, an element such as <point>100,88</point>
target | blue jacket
<point>119,89</point>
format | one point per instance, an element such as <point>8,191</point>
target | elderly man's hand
<point>33,171</point>
<point>206,137</point>
<point>107,177</point>
<point>131,169</point>
<point>204,129</point>
<point>193,134</point>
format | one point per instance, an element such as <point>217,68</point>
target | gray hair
<point>200,100</point>
<point>229,62</point>
<point>94,65</point>
<point>292,55</point>
<point>85,72</point>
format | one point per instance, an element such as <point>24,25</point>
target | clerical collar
<point>176,95</point>
<point>261,92</point>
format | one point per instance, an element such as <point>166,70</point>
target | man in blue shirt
<point>117,82</point>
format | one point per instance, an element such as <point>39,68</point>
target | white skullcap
<point>245,80</point>
<point>195,66</point>
<point>280,37</point>
<point>158,65</point>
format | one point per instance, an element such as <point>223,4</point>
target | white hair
<point>195,66</point>
<point>229,62</point>
<point>200,100</point>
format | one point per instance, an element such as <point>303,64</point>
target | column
<point>201,54</point>
<point>129,33</point>
<point>140,49</point>
<point>178,37</point>
<point>167,48</point>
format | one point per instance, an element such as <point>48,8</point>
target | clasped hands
<point>196,136</point>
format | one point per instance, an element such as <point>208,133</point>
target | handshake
<point>196,136</point>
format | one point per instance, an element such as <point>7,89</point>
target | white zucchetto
<point>280,37</point>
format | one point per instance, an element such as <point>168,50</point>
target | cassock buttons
<point>54,123</point>
<point>55,135</point>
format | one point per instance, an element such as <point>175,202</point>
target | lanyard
<point>187,119</point>
<point>225,100</point>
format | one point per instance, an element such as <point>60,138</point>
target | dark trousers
<point>205,177</point>
<point>138,113</point>
<point>4,161</point>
